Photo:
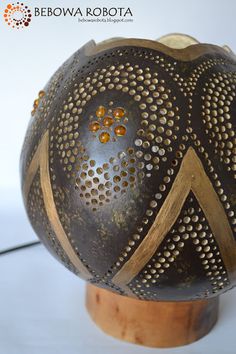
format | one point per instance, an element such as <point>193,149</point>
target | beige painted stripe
<point>191,176</point>
<point>40,160</point>
<point>33,167</point>
<point>168,212</point>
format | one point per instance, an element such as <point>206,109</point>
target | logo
<point>17,15</point>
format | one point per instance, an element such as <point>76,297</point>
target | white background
<point>27,60</point>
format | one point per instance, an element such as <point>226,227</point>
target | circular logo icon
<point>17,15</point>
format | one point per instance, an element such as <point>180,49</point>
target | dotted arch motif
<point>219,93</point>
<point>158,121</point>
<point>189,86</point>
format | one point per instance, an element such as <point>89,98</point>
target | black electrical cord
<point>20,247</point>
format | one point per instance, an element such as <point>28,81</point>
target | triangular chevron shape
<point>40,162</point>
<point>191,177</point>
<point>188,261</point>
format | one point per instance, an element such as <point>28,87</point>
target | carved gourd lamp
<point>128,175</point>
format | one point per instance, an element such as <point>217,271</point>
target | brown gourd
<point>128,174</point>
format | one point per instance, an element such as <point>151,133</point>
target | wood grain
<point>149,323</point>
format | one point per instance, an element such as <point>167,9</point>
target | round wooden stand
<point>149,323</point>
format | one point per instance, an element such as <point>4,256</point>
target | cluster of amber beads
<point>37,100</point>
<point>105,121</point>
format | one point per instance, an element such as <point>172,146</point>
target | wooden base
<point>151,323</point>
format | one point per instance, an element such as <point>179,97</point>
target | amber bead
<point>36,103</point>
<point>94,126</point>
<point>119,112</point>
<point>41,94</point>
<point>104,137</point>
<point>100,112</point>
<point>120,130</point>
<point>108,121</point>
